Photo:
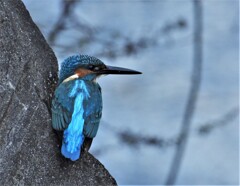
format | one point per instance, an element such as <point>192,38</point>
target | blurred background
<point>178,122</point>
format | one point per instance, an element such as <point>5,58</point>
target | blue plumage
<point>77,102</point>
<point>77,106</point>
<point>73,136</point>
<point>76,109</point>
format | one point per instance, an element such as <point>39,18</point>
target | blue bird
<point>77,103</point>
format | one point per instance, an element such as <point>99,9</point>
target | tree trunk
<point>29,149</point>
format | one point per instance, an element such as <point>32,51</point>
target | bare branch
<point>210,125</point>
<point>134,139</point>
<point>60,25</point>
<point>193,94</point>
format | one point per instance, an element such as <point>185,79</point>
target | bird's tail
<point>72,156</point>
<point>71,148</point>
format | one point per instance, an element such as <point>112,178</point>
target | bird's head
<point>88,68</point>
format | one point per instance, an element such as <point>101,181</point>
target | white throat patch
<point>75,76</point>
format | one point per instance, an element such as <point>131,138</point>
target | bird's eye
<point>96,68</point>
<point>91,67</point>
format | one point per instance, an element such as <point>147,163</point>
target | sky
<point>152,105</point>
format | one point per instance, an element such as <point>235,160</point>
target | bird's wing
<point>62,106</point>
<point>93,112</point>
<point>61,117</point>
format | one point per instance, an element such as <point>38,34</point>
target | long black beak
<point>118,70</point>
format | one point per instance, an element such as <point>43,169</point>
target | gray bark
<point>29,149</point>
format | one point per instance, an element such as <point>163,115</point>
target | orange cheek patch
<point>83,72</point>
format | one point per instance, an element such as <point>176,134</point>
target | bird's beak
<point>118,70</point>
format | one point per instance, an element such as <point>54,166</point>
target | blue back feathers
<point>73,136</point>
<point>76,107</point>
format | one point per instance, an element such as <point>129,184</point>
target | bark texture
<point>29,149</point>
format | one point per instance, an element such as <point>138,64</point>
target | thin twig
<point>193,94</point>
<point>134,139</point>
<point>60,25</point>
<point>207,127</point>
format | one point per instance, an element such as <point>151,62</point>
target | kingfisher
<point>77,102</point>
